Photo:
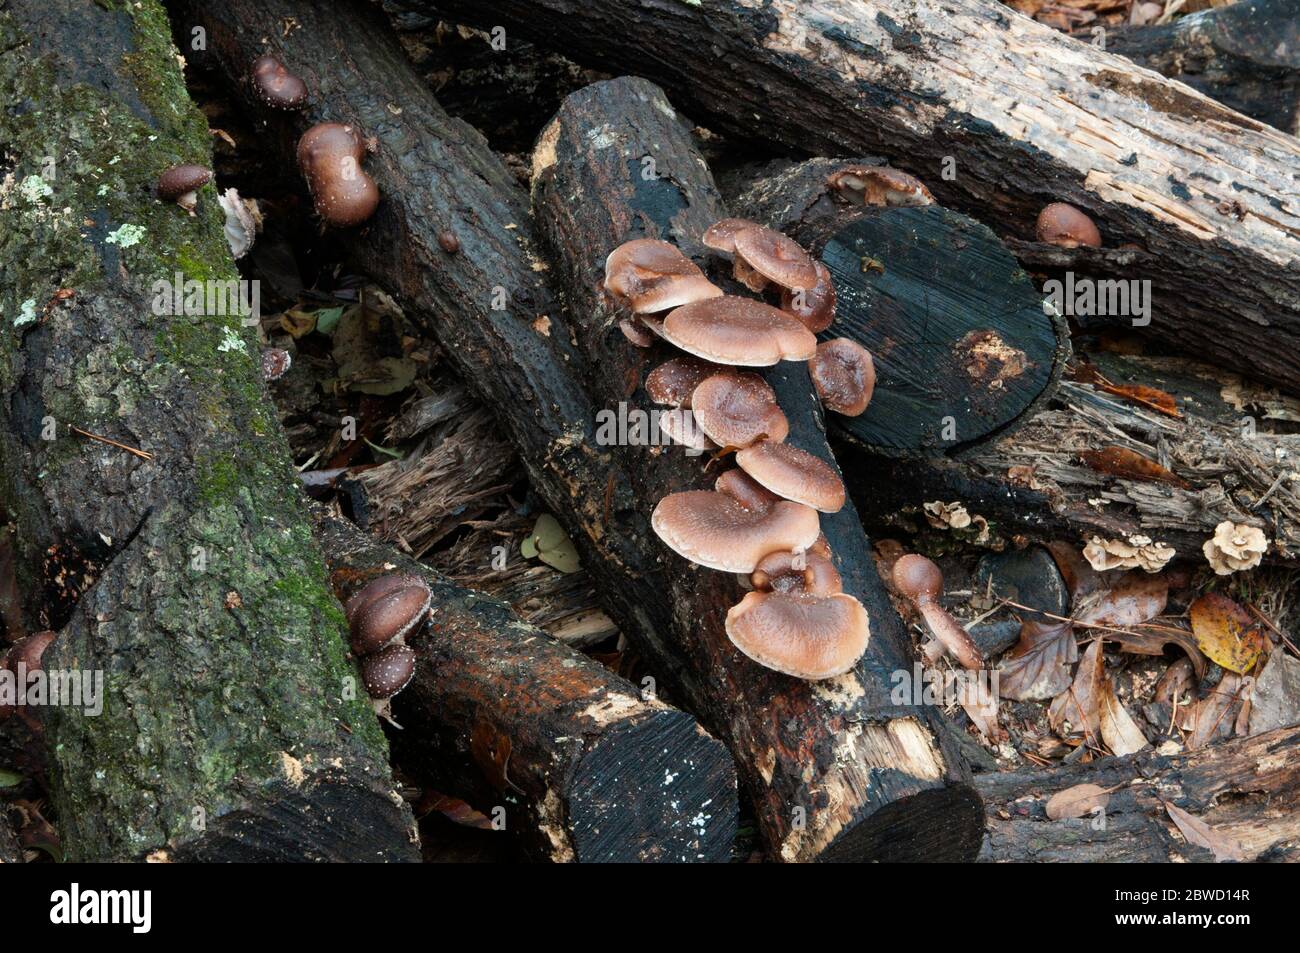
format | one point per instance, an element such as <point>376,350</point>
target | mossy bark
<point>231,723</point>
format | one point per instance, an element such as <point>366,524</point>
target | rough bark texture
<point>1028,115</point>
<point>10,852</point>
<point>962,344</point>
<point>869,777</point>
<point>1247,790</point>
<point>190,578</point>
<point>1245,55</point>
<point>503,716</point>
<point>437,174</point>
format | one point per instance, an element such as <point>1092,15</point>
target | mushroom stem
<point>948,633</point>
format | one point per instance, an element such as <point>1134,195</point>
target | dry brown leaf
<point>1157,400</point>
<point>1130,465</point>
<point>1133,598</point>
<point>453,809</point>
<point>1226,632</point>
<point>1038,666</point>
<point>1197,832</point>
<point>1154,642</point>
<point>1080,704</point>
<point>1212,715</point>
<point>1077,801</point>
<point>1118,730</point>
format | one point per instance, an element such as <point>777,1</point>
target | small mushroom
<point>1234,547</point>
<point>879,185</point>
<point>764,255</point>
<point>738,331</point>
<point>921,583</point>
<point>721,235</point>
<point>648,275</point>
<point>843,375</point>
<point>388,671</point>
<point>808,636</point>
<point>276,86</point>
<point>181,183</point>
<point>738,408</point>
<point>746,491</point>
<point>636,332</point>
<point>673,381</point>
<point>711,529</point>
<point>386,610</point>
<point>814,306</point>
<point>242,220</point>
<point>448,241</point>
<point>329,155</point>
<point>794,474</point>
<point>276,362</point>
<point>1064,225</point>
<point>807,572</point>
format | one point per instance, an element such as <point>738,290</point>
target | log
<point>1246,790</point>
<point>158,517</point>
<point>1019,114</point>
<point>10,852</point>
<point>589,196</point>
<point>509,720</point>
<point>921,288</point>
<point>1245,55</point>
<point>437,174</point>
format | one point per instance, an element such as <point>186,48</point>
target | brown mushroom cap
<point>738,331</point>
<point>844,376</point>
<point>814,306</point>
<point>276,86</point>
<point>921,582</point>
<point>636,332</point>
<point>879,185</point>
<point>746,491</point>
<point>807,636</point>
<point>329,155</point>
<point>794,474</point>
<point>389,613</point>
<point>680,426</point>
<point>673,381</point>
<point>28,651</point>
<point>388,671</point>
<point>807,572</point>
<point>649,275</point>
<point>721,235</point>
<point>737,408</point>
<point>713,530</point>
<point>779,259</point>
<point>1066,226</point>
<point>917,577</point>
<point>178,182</point>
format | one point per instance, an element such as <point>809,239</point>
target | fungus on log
<point>1246,790</point>
<point>1028,116</point>
<point>500,714</point>
<point>431,171</point>
<point>159,521</point>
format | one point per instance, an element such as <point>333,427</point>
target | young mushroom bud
<point>1064,225</point>
<point>711,529</point>
<point>738,408</point>
<point>387,609</point>
<point>921,583</point>
<point>879,185</point>
<point>794,474</point>
<point>843,375</point>
<point>808,636</point>
<point>814,306</point>
<point>807,572</point>
<point>388,671</point>
<point>329,156</point>
<point>648,275</point>
<point>738,331</point>
<point>276,86</point>
<point>764,255</point>
<point>180,184</point>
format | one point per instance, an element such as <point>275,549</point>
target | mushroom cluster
<point>380,617</point>
<point>1234,547</point>
<point>761,519</point>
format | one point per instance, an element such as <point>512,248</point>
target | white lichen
<point>126,236</point>
<point>34,188</point>
<point>26,313</point>
<point>232,342</point>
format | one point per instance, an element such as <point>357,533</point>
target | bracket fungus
<point>648,275</point>
<point>713,530</point>
<point>794,474</point>
<point>843,375</point>
<point>276,86</point>
<point>181,183</point>
<point>1137,552</point>
<point>329,156</point>
<point>738,331</point>
<point>737,409</point>
<point>921,583</point>
<point>1234,547</point>
<point>1065,226</point>
<point>808,636</point>
<point>879,185</point>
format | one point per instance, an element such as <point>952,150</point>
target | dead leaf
<point>1150,397</point>
<point>1226,632</point>
<point>491,752</point>
<point>1077,801</point>
<point>1211,717</point>
<point>1079,706</point>
<point>1118,730</point>
<point>454,809</point>
<point>1038,666</point>
<point>1152,642</point>
<point>1133,598</point>
<point>1130,465</point>
<point>1197,832</point>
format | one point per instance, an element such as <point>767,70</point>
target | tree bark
<point>185,573</point>
<point>590,195</point>
<point>504,717</point>
<point>1247,789</point>
<point>1023,116</point>
<point>1245,55</point>
<point>437,174</point>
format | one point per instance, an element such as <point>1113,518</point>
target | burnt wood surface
<point>1246,790</point>
<point>501,715</point>
<point>1025,115</point>
<point>437,174</point>
<point>184,573</point>
<point>872,779</point>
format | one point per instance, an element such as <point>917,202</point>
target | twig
<point>142,454</point>
<point>1278,632</point>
